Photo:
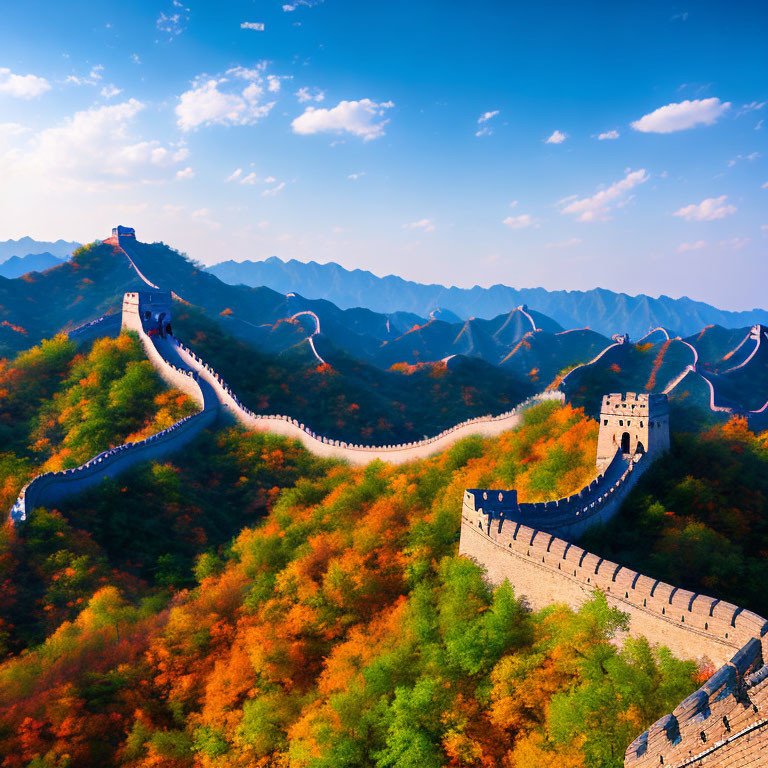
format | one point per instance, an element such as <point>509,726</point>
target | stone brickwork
<point>632,423</point>
<point>719,725</point>
<point>724,722</point>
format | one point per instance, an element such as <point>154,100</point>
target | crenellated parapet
<point>571,515</point>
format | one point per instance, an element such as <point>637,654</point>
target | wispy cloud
<point>485,129</point>
<point>608,135</point>
<point>683,247</point>
<point>711,209</point>
<point>753,106</point>
<point>175,21</point>
<point>564,243</point>
<point>305,94</point>
<point>519,222</point>
<point>681,116</point>
<point>292,6</point>
<point>356,176</point>
<point>752,156</point>
<point>598,206</point>
<point>424,225</point>
<point>736,243</point>
<point>256,26</point>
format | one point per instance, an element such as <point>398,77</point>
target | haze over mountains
<point>517,352</point>
<point>27,245</point>
<point>602,310</point>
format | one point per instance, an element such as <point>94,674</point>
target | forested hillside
<point>341,630</point>
<point>59,407</point>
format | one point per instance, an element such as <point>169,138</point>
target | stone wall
<point>319,445</point>
<point>596,503</point>
<point>106,325</point>
<point>52,487</point>
<point>719,725</point>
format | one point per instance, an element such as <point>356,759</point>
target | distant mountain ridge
<point>602,310</point>
<point>17,266</point>
<point>24,246</point>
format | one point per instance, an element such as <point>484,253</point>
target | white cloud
<point>256,26</point>
<point>736,243</point>
<point>22,86</point>
<point>274,190</point>
<point>518,222</point>
<point>135,58</point>
<point>234,175</point>
<point>356,176</point>
<point>425,225</point>
<point>223,101</point>
<point>110,91</point>
<point>304,94</point>
<point>764,186</point>
<point>598,206</point>
<point>95,73</point>
<point>204,216</point>
<point>174,22</point>
<point>92,149</point>
<point>185,173</point>
<point>557,137</point>
<point>564,243</point>
<point>753,106</point>
<point>749,158</point>
<point>612,134</point>
<point>683,247</point>
<point>11,129</point>
<point>711,209</point>
<point>289,7</point>
<point>485,130</point>
<point>681,116</point>
<point>274,82</point>
<point>363,118</point>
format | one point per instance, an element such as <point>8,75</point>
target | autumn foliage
<point>341,630</point>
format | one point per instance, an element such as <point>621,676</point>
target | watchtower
<point>634,423</point>
<point>121,231</point>
<point>149,311</point>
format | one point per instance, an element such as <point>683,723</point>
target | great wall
<point>724,723</point>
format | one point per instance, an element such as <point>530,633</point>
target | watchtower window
<point>621,422</point>
<point>605,422</point>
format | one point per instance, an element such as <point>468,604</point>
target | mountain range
<point>61,249</point>
<point>601,310</point>
<point>496,361</point>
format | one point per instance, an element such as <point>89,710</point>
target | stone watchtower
<point>149,311</point>
<point>634,423</point>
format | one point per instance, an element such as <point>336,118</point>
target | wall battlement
<point>545,569</point>
<point>572,515</point>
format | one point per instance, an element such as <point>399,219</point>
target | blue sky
<point>567,145</point>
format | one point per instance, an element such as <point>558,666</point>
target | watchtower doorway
<point>625,442</point>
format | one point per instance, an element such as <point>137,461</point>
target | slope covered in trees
<point>699,519</point>
<point>340,631</point>
<point>58,408</point>
<point>348,399</point>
